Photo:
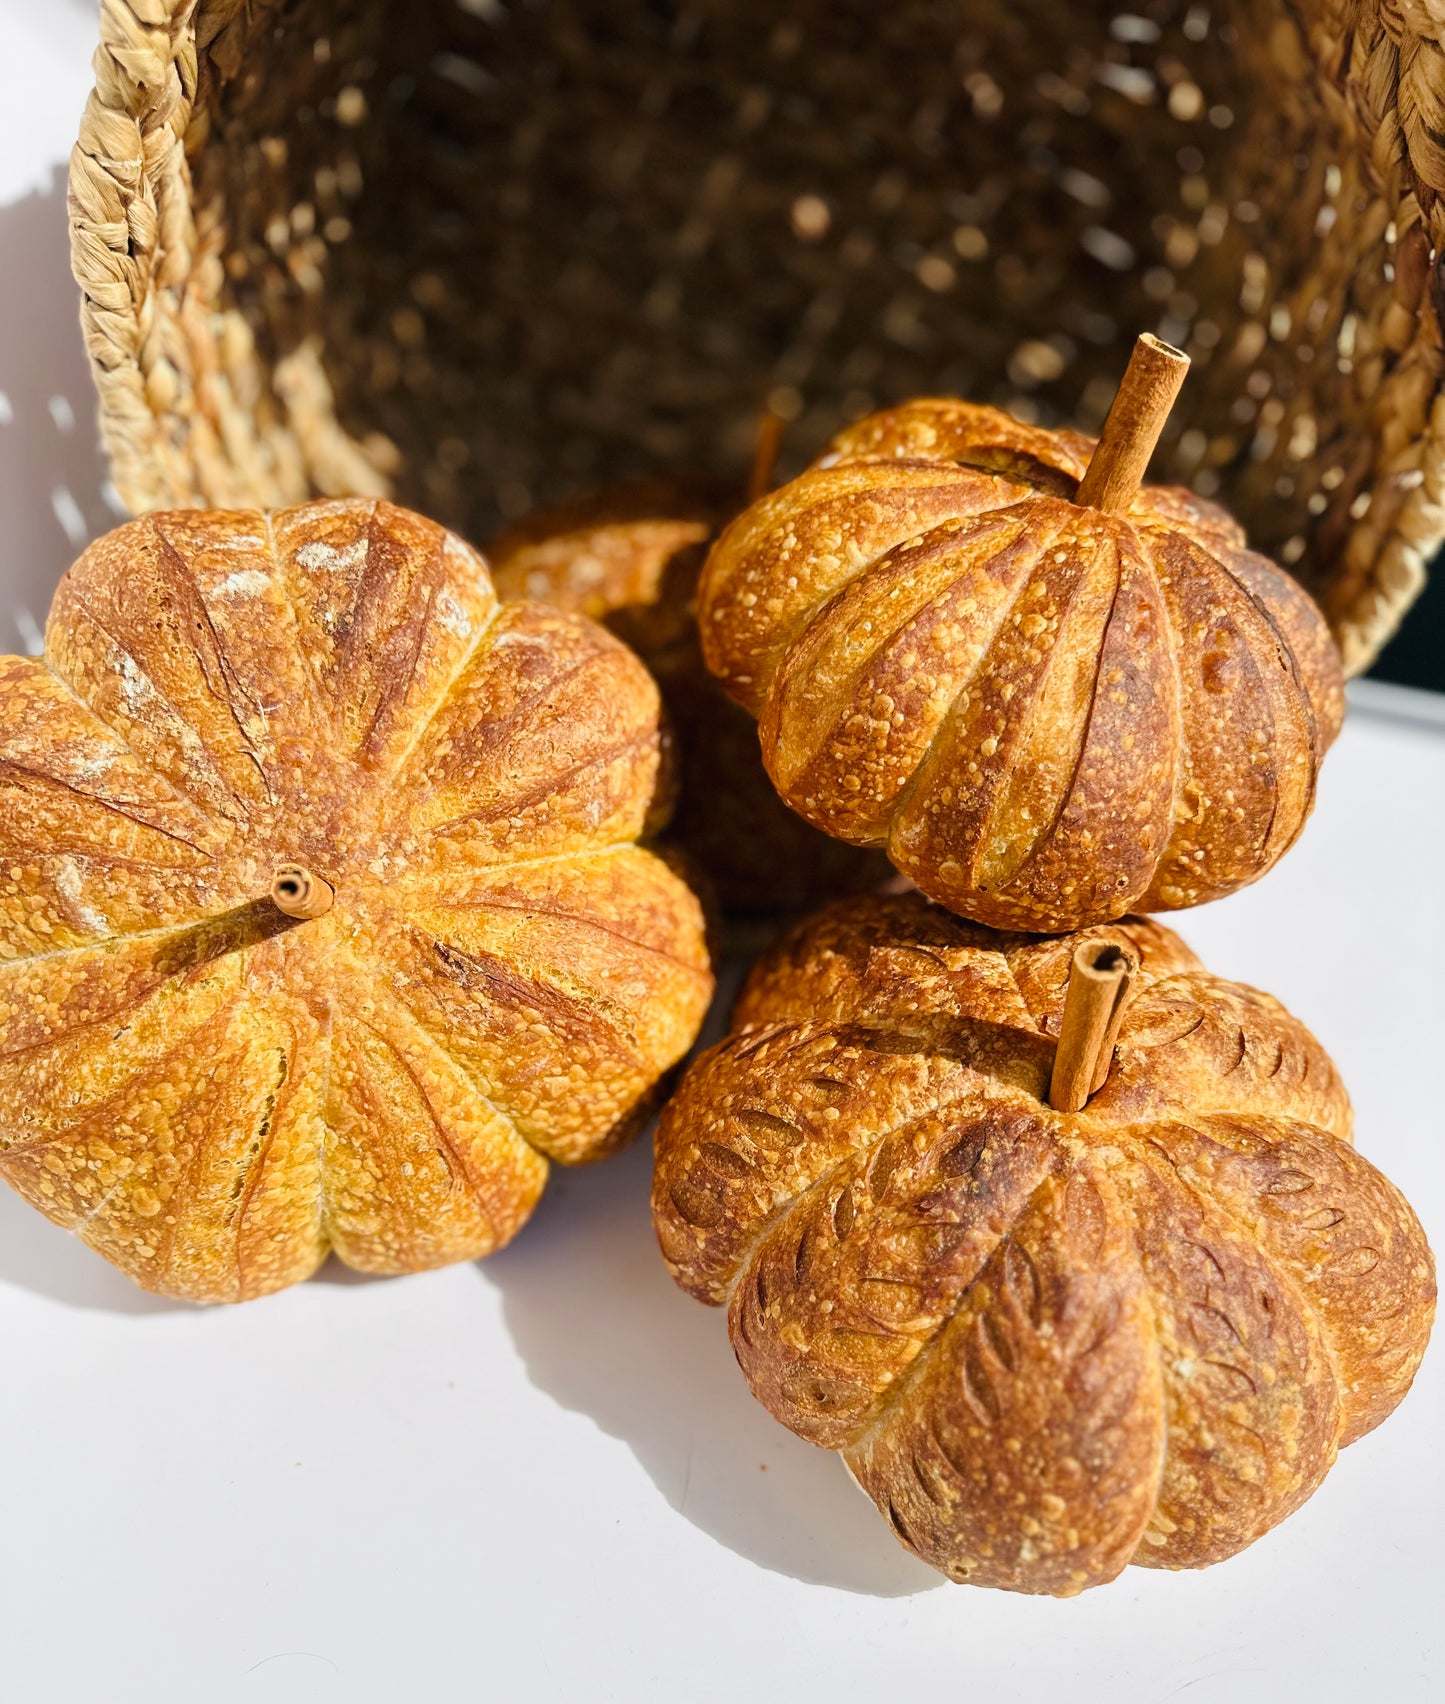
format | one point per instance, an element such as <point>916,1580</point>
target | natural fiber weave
<point>481,253</point>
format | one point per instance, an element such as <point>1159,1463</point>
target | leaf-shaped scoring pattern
<point>1047,713</point>
<point>215,1096</point>
<point>1047,1345</point>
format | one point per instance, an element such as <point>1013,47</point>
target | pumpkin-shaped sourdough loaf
<point>210,1070</point>
<point>1047,1342</point>
<point>630,557</point>
<point>1052,695</point>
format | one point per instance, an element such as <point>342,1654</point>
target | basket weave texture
<point>480,254</point>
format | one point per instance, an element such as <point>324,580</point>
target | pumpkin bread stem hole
<point>300,893</point>
<point>1136,418</point>
<point>1100,976</point>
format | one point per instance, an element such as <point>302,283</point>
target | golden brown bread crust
<point>1048,714</point>
<point>1047,1345</point>
<point>628,556</point>
<point>631,557</point>
<point>213,1095</point>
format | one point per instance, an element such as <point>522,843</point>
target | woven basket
<point>480,254</point>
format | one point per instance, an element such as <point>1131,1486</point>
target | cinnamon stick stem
<point>1136,418</point>
<point>1099,979</point>
<point>301,893</point>
<point>769,446</point>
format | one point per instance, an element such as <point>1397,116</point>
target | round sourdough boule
<point>1048,713</point>
<point>212,1093</point>
<point>630,557</point>
<point>1046,1345</point>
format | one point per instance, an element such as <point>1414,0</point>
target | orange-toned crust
<point>1049,715</point>
<point>631,557</point>
<point>1046,1345</point>
<point>628,556</point>
<point>214,1095</point>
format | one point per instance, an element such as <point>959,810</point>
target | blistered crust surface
<point>1046,1345</point>
<point>214,1096</point>
<point>1047,714</point>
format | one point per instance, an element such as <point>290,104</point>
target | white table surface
<point>542,1477</point>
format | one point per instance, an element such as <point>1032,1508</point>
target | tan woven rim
<point>197,408</point>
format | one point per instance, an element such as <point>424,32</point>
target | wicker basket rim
<point>150,274</point>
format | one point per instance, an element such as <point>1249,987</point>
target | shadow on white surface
<point>336,1271</point>
<point>52,474</point>
<point>602,1328</point>
<point>36,1255</point>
